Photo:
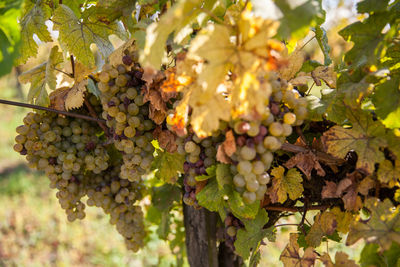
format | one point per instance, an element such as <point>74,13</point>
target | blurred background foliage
<point>34,230</point>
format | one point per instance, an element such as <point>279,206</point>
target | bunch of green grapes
<point>126,115</point>
<point>66,149</point>
<point>200,154</point>
<point>256,141</point>
<point>117,197</point>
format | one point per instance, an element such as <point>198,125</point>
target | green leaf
<point>382,228</point>
<point>370,256</point>
<point>211,172</point>
<point>164,226</point>
<point>118,9</point>
<point>366,138</point>
<point>42,77</point>
<point>322,39</point>
<point>168,166</point>
<point>92,88</point>
<point>310,65</point>
<point>368,6</point>
<point>238,207</point>
<point>212,198</point>
<point>32,23</point>
<point>297,21</point>
<point>76,35</point>
<point>223,175</point>
<point>387,102</point>
<point>249,238</point>
<point>10,35</point>
<point>366,36</point>
<point>164,196</point>
<point>329,106</point>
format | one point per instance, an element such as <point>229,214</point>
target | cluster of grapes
<point>64,148</point>
<point>71,152</point>
<point>117,197</point>
<point>257,140</point>
<point>126,115</point>
<point>200,154</point>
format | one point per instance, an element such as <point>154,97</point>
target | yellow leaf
<point>343,219</point>
<point>326,74</point>
<point>285,184</point>
<point>389,174</point>
<point>295,62</point>
<point>324,224</point>
<point>75,96</point>
<point>205,117</point>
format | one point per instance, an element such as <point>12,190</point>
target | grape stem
<point>92,113</point>
<point>66,113</point>
<point>322,156</point>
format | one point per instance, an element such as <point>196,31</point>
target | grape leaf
<point>327,74</point>
<point>322,39</point>
<point>365,138</point>
<point>168,165</point>
<point>341,260</point>
<point>368,6</point>
<point>223,175</point>
<point>282,185</point>
<point>295,62</point>
<point>382,228</point>
<point>42,77</point>
<point>211,172</point>
<point>306,162</point>
<point>164,196</point>
<point>389,173</point>
<point>291,255</point>
<point>371,256</point>
<point>249,238</point>
<point>324,224</point>
<point>238,207</point>
<point>174,20</point>
<point>387,102</point>
<point>33,23</point>
<point>343,219</point>
<point>212,198</point>
<point>118,9</point>
<point>296,21</point>
<point>76,35</point>
<point>75,97</point>
<point>10,35</point>
<point>366,36</point>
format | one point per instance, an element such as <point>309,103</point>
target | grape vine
<point>208,106</point>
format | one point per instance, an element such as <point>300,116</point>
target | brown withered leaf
<point>347,189</point>
<point>75,97</point>
<point>200,185</point>
<point>326,74</point>
<point>166,140</point>
<point>171,85</point>
<point>341,260</point>
<point>365,185</point>
<point>290,256</point>
<point>227,148</point>
<point>306,162</point>
<point>57,98</point>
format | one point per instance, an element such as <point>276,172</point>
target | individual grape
<point>275,129</point>
<point>244,167</point>
<point>272,143</point>
<point>264,178</point>
<point>231,231</point>
<point>289,118</point>
<point>247,153</point>
<point>238,180</point>
<point>249,197</point>
<point>252,185</point>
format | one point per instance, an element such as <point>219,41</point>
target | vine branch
<point>92,113</point>
<point>66,113</point>
<point>296,209</point>
<point>322,156</point>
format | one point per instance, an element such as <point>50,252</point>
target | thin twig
<point>66,113</point>
<point>296,209</point>
<point>92,113</point>
<point>72,66</point>
<point>66,73</point>
<point>322,156</point>
<point>304,217</point>
<point>286,224</point>
<point>208,12</point>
